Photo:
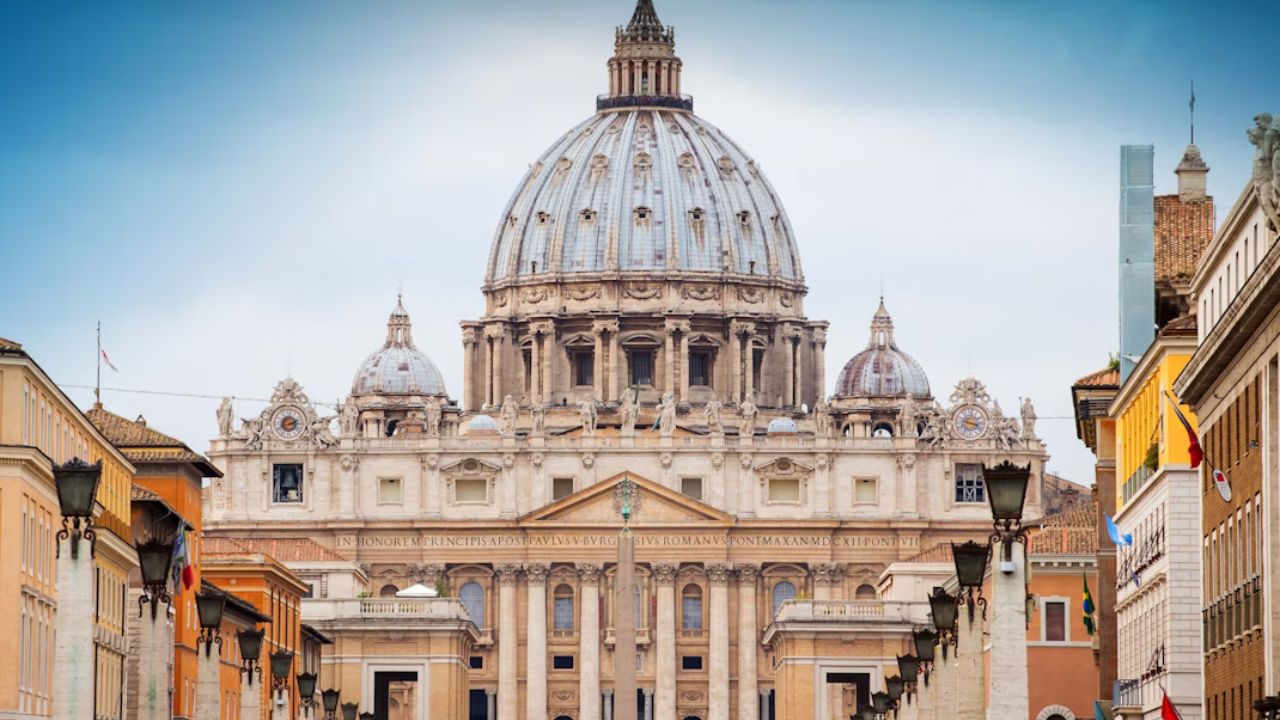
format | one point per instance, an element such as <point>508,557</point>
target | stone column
<point>971,683</point>
<point>820,362</point>
<point>796,392</point>
<point>73,660</point>
<point>664,696</point>
<point>589,642</point>
<point>1009,636</point>
<point>749,371</point>
<point>748,641</point>
<point>491,704</point>
<point>648,703</point>
<point>494,334</point>
<point>489,399</point>
<point>669,358</point>
<point>735,360</point>
<point>250,699</point>
<point>789,371</point>
<point>535,576</point>
<point>718,614</point>
<point>624,624</point>
<point>614,367</point>
<point>548,361</point>
<point>508,641</point>
<point>764,705</point>
<point>208,681</point>
<point>826,577</point>
<point>468,369</point>
<point>155,652</point>
<point>597,362</point>
<point>684,361</point>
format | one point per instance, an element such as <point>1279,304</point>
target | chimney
<point>1192,176</point>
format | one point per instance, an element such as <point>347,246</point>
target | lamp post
<point>209,607</point>
<point>77,486</point>
<point>349,710</point>
<point>329,699</point>
<point>943,611</point>
<point>1268,708</point>
<point>1006,487</point>
<point>307,692</point>
<point>250,642</point>
<point>281,665</point>
<point>366,716</point>
<point>155,558</point>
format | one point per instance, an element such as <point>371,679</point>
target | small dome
<point>782,426</point>
<point>481,424</point>
<point>882,370</point>
<point>398,368</point>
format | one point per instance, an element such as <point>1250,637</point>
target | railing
<point>678,102</point>
<point>692,634</point>
<point>835,611</point>
<point>406,608</point>
<point>1127,694</point>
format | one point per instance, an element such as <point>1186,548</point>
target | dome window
<point>696,214</point>
<point>882,430</point>
<point>563,164</point>
<point>744,217</point>
<point>726,167</point>
<point>588,216</point>
<point>642,215</point>
<point>542,217</point>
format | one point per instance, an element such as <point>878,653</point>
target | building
<point>644,321</point>
<point>1231,384</point>
<point>173,473</point>
<point>39,427</point>
<point>238,614</point>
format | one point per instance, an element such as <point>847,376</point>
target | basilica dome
<point>398,367</point>
<point>882,370</point>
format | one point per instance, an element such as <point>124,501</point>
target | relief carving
<point>751,295</point>
<point>701,292</point>
<point>583,292</point>
<point>641,291</point>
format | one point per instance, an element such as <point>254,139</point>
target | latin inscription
<point>610,540</point>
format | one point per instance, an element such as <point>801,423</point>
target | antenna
<point>97,386</point>
<point>1192,106</point>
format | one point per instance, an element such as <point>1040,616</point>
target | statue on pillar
<point>667,414</point>
<point>539,420</point>
<point>226,417</point>
<point>434,413</point>
<point>747,412</point>
<point>1028,419</point>
<point>321,434</point>
<point>822,418</point>
<point>629,410</point>
<point>349,423</point>
<point>509,413</point>
<point>712,415</point>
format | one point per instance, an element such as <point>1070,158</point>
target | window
<point>757,364</point>
<point>563,615</point>
<point>641,214</point>
<point>691,486</point>
<point>310,592</point>
<point>969,487</point>
<point>471,491</point>
<point>865,491</point>
<point>286,482</point>
<point>561,662</point>
<point>700,368</point>
<point>865,592</point>
<point>691,608</point>
<point>640,363</point>
<point>472,597</point>
<point>388,591</point>
<point>477,662</point>
<point>561,487</point>
<point>584,368</point>
<point>390,491</point>
<point>882,430</point>
<point>691,662</point>
<point>782,592</point>
<point>785,490</point>
<point>1055,621</point>
<point>588,215</point>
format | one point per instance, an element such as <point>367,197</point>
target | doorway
<point>395,695</point>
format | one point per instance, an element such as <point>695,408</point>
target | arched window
<point>563,615</point>
<point>782,592</point>
<point>882,430</point>
<point>472,597</point>
<point>865,592</point>
<point>691,607</point>
<point>388,591</point>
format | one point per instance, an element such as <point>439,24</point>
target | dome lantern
<point>644,69</point>
<point>398,367</point>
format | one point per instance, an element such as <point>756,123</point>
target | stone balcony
<point>854,616</point>
<point>402,614</point>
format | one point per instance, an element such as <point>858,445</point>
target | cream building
<point>644,319</point>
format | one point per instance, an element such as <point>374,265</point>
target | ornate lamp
<point>943,609</point>
<point>894,685</point>
<point>307,689</point>
<point>925,640</point>
<point>1007,493</point>
<point>971,571</point>
<point>867,713</point>
<point>77,484</point>
<point>155,559</point>
<point>909,668</point>
<point>880,702</point>
<point>1268,708</point>
<point>281,664</point>
<point>250,642</point>
<point>329,700</point>
<point>366,716</point>
<point>209,606</point>
<point>349,711</point>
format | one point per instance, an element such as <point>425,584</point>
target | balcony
<point>1126,695</point>
<point>642,637</point>
<point>837,611</point>
<point>402,614</point>
<point>675,102</point>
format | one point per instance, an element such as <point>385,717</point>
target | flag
<point>1086,606</point>
<point>1098,712</point>
<point>1167,710</point>
<point>107,360</point>
<point>1114,532</point>
<point>184,575</point>
<point>1193,441</point>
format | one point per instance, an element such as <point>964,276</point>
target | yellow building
<point>39,427</point>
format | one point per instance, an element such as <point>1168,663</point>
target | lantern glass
<point>349,711</point>
<point>908,667</point>
<point>880,702</point>
<point>925,640</point>
<point>868,713</point>
<point>250,643</point>
<point>281,664</point>
<point>1006,490</point>
<point>77,484</point>
<point>366,716</point>
<point>971,563</point>
<point>329,698</point>
<point>155,558</point>
<point>894,685</point>
<point>306,685</point>
<point>944,609</point>
<point>209,606</point>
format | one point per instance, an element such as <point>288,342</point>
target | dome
<point>882,370</point>
<point>782,426</point>
<point>398,368</point>
<point>481,424</point>
<point>644,186</point>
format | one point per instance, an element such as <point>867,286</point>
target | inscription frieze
<point>446,540</point>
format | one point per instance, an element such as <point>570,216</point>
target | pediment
<point>784,467</point>
<point>470,466</point>
<point>658,506</point>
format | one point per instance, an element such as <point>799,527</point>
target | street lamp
<point>281,664</point>
<point>366,716</point>
<point>908,669</point>
<point>209,606</point>
<point>925,640</point>
<point>77,484</point>
<point>894,685</point>
<point>349,711</point>
<point>307,689</point>
<point>1268,708</point>
<point>971,571</point>
<point>329,699</point>
<point>943,609</point>
<point>880,702</point>
<point>1006,486</point>
<point>155,559</point>
<point>250,642</point>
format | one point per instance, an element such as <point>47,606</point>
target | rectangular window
<point>784,490</point>
<point>691,662</point>
<point>691,612</point>
<point>310,591</point>
<point>1055,621</point>
<point>969,486</point>
<point>561,662</point>
<point>700,368</point>
<point>286,482</point>
<point>584,368</point>
<point>561,487</point>
<point>691,486</point>
<point>390,491</point>
<point>640,363</point>
<point>477,662</point>
<point>563,614</point>
<point>865,491</point>
<point>471,491</point>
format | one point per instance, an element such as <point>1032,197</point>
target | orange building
<point>172,471</point>
<point>273,590</point>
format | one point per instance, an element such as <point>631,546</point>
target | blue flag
<point>1114,532</point>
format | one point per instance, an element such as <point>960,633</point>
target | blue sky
<point>238,189</point>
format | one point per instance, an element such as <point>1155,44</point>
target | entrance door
<point>478,705</point>
<point>395,695</point>
<point>861,683</point>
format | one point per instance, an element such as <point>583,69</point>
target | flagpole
<point>97,388</point>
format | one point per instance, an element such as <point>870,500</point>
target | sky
<point>238,190</point>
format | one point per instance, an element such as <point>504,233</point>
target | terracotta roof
<point>1182,231</point>
<point>1074,532</point>
<point>10,345</point>
<point>142,444</point>
<point>1181,325</point>
<point>938,553</point>
<point>285,550</point>
<point>137,492</point>
<point>1106,377</point>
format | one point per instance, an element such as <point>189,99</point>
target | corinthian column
<point>748,698</point>
<point>669,358</point>
<point>613,368</point>
<point>508,641</point>
<point>597,362</point>
<point>788,346</point>
<point>664,578</point>
<point>536,643</point>
<point>589,643</point>
<point>684,361</point>
<point>735,361</point>
<point>718,675</point>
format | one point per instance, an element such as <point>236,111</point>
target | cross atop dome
<point>399,329</point>
<point>645,26</point>
<point>644,70</point>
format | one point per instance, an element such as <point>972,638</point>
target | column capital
<point>600,327</point>
<point>718,573</point>
<point>663,573</point>
<point>536,573</point>
<point>490,692</point>
<point>495,332</point>
<point>828,573</point>
<point>677,326</point>
<point>747,572</point>
<point>590,573</point>
<point>542,327</point>
<point>738,328</point>
<point>507,573</point>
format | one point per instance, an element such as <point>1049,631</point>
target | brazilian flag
<point>1086,606</point>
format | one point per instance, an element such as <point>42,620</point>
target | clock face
<point>970,422</point>
<point>287,423</point>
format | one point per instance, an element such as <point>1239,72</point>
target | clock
<point>970,422</point>
<point>288,423</point>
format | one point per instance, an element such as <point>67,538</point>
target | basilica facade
<point>643,320</point>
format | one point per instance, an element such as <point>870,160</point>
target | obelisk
<point>624,603</point>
